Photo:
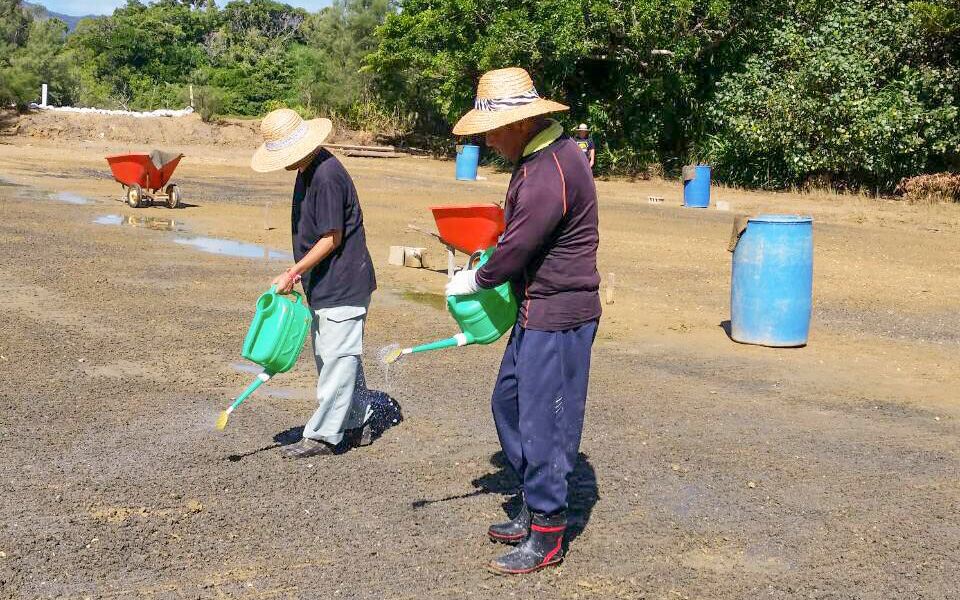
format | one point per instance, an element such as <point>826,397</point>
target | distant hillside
<point>42,13</point>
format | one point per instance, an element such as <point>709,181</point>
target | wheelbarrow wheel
<point>173,196</point>
<point>135,195</point>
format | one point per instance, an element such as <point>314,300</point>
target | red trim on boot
<point>546,559</point>
<point>543,529</point>
<point>546,563</point>
<point>506,537</point>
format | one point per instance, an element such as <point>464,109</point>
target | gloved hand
<point>463,283</point>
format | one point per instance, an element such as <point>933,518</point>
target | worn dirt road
<point>709,470</point>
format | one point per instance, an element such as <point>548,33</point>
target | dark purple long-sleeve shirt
<point>549,248</point>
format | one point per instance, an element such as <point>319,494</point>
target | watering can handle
<point>477,259</point>
<point>273,290</point>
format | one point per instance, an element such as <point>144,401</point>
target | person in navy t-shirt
<point>335,268</point>
<point>585,143</point>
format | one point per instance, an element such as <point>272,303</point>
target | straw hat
<point>288,139</point>
<point>504,96</point>
<point>583,127</point>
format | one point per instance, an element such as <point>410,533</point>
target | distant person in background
<point>330,247</point>
<point>586,144</point>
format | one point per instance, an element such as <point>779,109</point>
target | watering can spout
<point>483,317</point>
<point>461,339</point>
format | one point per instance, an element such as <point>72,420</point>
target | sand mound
<point>158,131</point>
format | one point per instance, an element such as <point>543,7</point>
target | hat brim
<point>480,121</point>
<point>264,161</point>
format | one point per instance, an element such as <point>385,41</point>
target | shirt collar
<point>544,138</point>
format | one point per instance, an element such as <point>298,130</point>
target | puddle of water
<point>232,248</point>
<point>156,223</point>
<point>109,220</point>
<point>71,198</point>
<point>427,298</point>
<point>5,183</point>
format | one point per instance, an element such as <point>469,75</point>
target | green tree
<point>336,40</point>
<point>32,56</point>
<point>143,52</point>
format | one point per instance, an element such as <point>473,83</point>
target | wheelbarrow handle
<point>430,233</point>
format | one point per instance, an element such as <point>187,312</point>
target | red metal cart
<point>144,177</point>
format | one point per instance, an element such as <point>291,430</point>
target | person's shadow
<point>582,493</point>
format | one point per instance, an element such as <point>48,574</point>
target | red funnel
<point>469,228</point>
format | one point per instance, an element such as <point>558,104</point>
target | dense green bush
<point>772,91</point>
<point>843,98</point>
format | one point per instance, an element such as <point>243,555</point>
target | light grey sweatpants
<point>337,347</point>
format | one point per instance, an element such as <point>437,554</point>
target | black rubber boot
<point>515,530</point>
<point>542,548</point>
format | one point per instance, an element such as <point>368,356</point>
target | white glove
<point>463,283</point>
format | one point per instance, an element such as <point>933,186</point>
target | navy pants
<point>538,407</point>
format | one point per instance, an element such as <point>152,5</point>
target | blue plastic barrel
<point>696,191</point>
<point>467,158</point>
<point>771,296</point>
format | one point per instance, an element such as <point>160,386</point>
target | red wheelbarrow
<point>144,177</point>
<point>470,229</point>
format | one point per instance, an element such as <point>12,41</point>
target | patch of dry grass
<point>931,189</point>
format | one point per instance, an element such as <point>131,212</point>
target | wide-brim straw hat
<point>288,139</point>
<point>504,96</point>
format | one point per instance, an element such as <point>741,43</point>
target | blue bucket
<point>467,158</point>
<point>696,191</point>
<point>771,295</point>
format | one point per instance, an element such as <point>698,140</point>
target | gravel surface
<point>708,469</point>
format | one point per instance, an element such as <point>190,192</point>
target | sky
<point>105,7</point>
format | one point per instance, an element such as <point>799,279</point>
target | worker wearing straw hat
<point>330,249</point>
<point>586,144</point>
<point>549,254</point>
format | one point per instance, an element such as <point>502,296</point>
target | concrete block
<point>413,257</point>
<point>396,256</point>
<point>428,258</point>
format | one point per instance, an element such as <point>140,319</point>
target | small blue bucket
<point>467,158</point>
<point>771,293</point>
<point>696,190</point>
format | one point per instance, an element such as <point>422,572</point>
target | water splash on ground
<point>385,367</point>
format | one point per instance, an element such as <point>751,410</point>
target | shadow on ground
<point>582,495</point>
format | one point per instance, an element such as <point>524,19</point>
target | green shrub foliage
<point>772,93</point>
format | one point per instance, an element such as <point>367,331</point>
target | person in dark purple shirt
<point>548,252</point>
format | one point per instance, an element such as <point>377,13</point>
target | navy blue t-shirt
<point>325,200</point>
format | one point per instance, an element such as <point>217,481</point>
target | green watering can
<point>483,317</point>
<point>274,340</point>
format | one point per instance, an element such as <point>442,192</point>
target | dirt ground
<point>709,469</point>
